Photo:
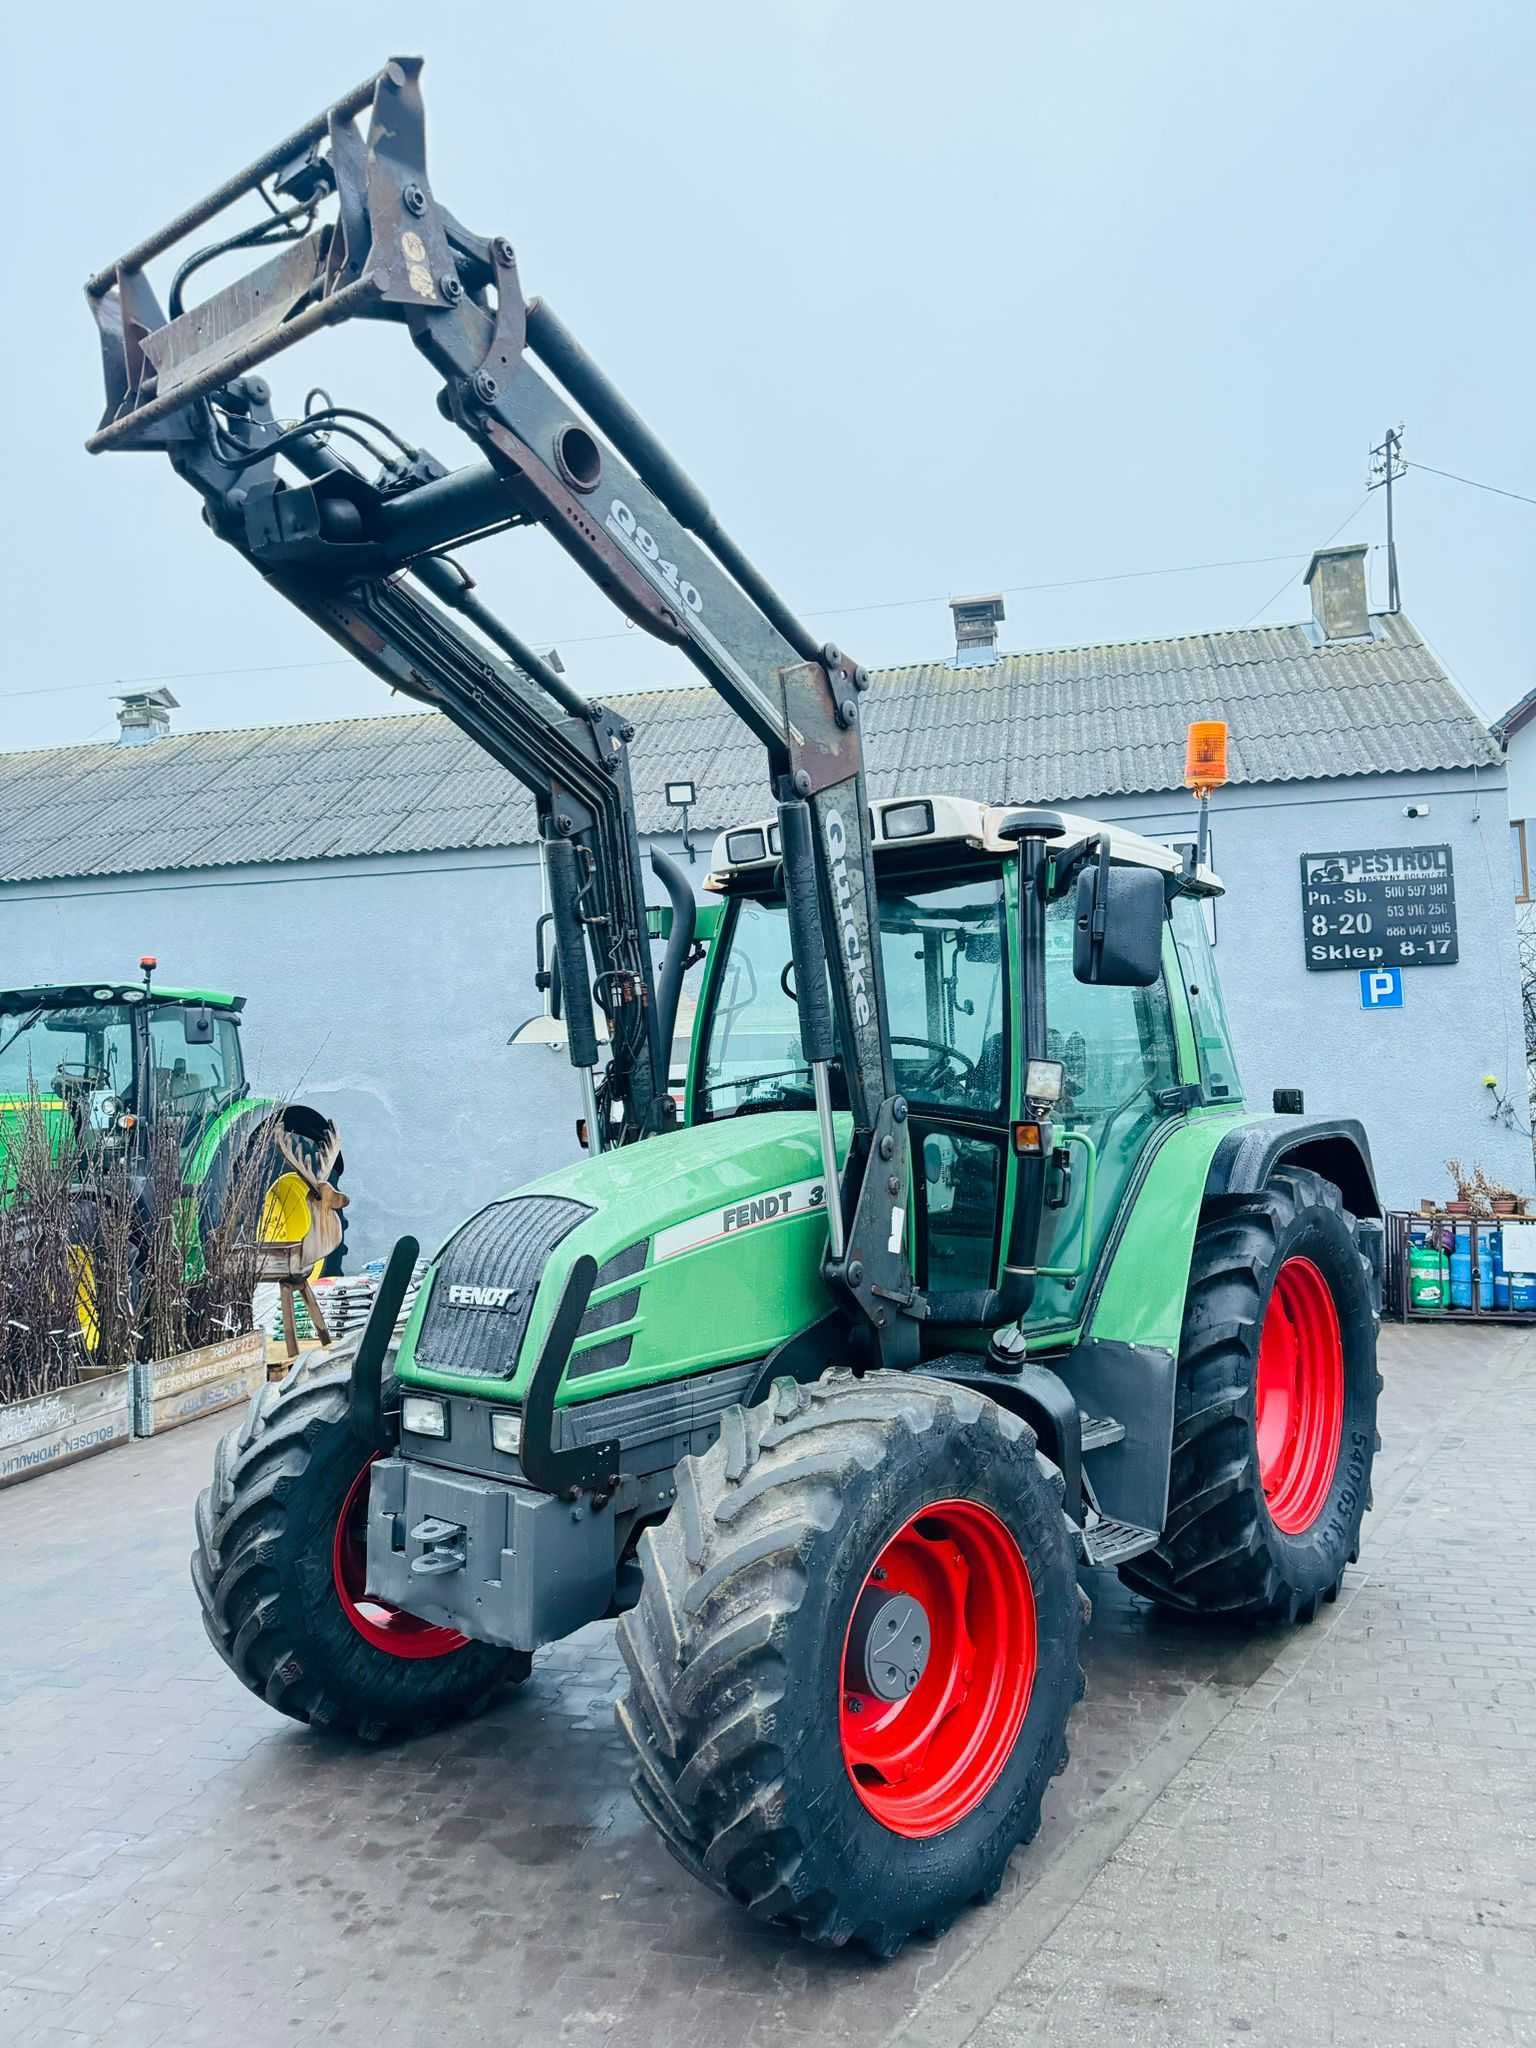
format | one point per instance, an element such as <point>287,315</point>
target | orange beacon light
<point>1205,755</point>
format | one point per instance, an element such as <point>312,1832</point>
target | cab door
<point>1120,1056</point>
<point>944,950</point>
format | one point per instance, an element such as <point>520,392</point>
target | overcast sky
<point>930,299</point>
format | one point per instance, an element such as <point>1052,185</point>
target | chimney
<point>976,620</point>
<point>144,715</point>
<point>1341,609</point>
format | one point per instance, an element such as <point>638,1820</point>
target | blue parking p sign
<point>1381,988</point>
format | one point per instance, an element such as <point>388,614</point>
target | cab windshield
<point>63,1052</point>
<point>944,952</point>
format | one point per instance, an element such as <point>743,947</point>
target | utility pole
<point>1387,465</point>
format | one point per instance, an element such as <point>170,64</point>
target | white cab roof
<point>743,848</point>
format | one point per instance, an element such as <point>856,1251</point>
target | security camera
<point>1415,810</point>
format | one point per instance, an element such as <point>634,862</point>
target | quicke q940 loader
<point>967,1265</point>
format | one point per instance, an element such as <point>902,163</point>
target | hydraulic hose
<point>684,922</point>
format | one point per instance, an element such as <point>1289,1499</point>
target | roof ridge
<point>1095,721</point>
<point>1005,655</point>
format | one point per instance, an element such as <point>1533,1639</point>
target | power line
<point>185,675</point>
<point>591,639</point>
<point>1285,586</point>
<point>1065,583</point>
<point>1497,491</point>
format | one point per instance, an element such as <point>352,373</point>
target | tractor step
<point>1111,1543</point>
<point>1099,1431</point>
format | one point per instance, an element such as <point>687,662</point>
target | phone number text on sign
<point>1381,906</point>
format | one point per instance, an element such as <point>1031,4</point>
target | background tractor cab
<point>118,1061</point>
<point>118,1056</point>
<point>1135,1034</point>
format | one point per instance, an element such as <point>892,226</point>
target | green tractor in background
<point>108,1064</point>
<point>964,1264</point>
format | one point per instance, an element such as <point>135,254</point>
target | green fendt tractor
<point>106,1063</point>
<point>964,1266</point>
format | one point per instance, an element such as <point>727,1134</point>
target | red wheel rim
<point>389,1629</point>
<point>923,1762</point>
<point>1299,1402</point>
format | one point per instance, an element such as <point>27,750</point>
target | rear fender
<point>1335,1147</point>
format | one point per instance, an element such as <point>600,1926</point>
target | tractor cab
<point>1124,1058</point>
<point>120,1072</point>
<point>116,1057</point>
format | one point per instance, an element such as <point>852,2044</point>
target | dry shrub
<point>66,1255</point>
<point>95,1239</point>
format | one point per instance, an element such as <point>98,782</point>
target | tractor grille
<point>506,1248</point>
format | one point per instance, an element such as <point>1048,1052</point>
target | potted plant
<point>1500,1200</point>
<point>1464,1180</point>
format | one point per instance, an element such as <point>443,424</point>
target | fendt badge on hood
<point>460,1296</point>
<point>773,1205</point>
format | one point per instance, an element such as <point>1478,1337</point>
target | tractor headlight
<point>507,1433</point>
<point>423,1416</point>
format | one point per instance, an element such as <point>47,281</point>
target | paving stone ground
<point>180,1866</point>
<point>1351,1855</point>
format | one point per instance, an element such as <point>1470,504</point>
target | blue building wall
<point>385,991</point>
<point>1415,1075</point>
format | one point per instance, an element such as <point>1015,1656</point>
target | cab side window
<point>1118,1050</point>
<point>1213,1035</point>
<point>1116,1044</point>
<point>190,1080</point>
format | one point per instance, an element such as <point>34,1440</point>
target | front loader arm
<point>563,450</point>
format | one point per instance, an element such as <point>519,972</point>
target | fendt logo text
<point>481,1297</point>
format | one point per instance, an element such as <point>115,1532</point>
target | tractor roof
<point>75,995</point>
<point>902,823</point>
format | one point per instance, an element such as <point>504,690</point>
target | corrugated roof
<point>1509,722</point>
<point>1067,724</point>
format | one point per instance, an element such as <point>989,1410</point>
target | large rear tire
<point>786,1755</point>
<point>1275,1417</point>
<point>278,1572</point>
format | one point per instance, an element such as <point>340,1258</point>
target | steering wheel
<point>933,1073</point>
<point>78,1074</point>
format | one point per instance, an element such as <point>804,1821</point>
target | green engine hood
<point>732,1218</point>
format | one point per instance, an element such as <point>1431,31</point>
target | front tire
<point>786,1759</point>
<point>1275,1417</point>
<point>278,1573</point>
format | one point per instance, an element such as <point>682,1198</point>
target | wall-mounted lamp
<point>680,795</point>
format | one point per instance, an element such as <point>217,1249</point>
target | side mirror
<point>1127,952</point>
<point>197,1025</point>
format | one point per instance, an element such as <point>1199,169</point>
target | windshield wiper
<point>755,1080</point>
<point>25,1025</point>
